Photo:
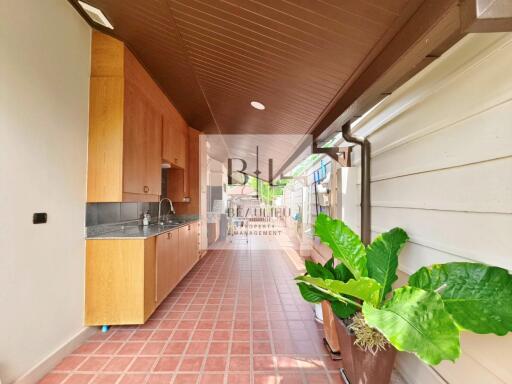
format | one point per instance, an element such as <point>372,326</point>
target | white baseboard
<point>48,363</point>
<point>415,371</point>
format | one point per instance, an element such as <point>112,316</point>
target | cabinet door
<point>163,266</point>
<point>175,141</point>
<point>166,264</point>
<point>182,146</point>
<point>134,149</point>
<point>170,139</point>
<point>153,151</point>
<point>142,144</point>
<point>174,256</point>
<point>194,243</point>
<point>183,260</point>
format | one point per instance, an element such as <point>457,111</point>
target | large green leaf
<point>365,288</point>
<point>317,270</point>
<point>382,255</point>
<point>343,310</point>
<point>312,294</point>
<point>342,273</point>
<point>345,244</point>
<point>415,320</point>
<point>478,297</point>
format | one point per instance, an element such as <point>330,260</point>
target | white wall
<point>442,170</point>
<point>44,90</point>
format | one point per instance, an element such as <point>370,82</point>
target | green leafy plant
<point>424,317</point>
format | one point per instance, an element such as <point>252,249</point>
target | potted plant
<point>424,317</point>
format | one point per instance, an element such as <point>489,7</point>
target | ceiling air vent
<point>95,14</point>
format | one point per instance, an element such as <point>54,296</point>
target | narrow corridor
<point>236,318</point>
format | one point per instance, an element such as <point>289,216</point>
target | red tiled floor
<point>236,318</point>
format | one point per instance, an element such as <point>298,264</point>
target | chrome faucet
<point>160,209</point>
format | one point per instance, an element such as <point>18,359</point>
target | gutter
<point>366,232</point>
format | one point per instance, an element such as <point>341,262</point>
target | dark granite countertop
<point>134,231</point>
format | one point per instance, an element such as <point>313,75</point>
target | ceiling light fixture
<point>96,15</point>
<point>257,105</point>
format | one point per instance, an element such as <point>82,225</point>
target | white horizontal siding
<point>442,170</point>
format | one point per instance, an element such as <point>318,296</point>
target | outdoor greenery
<point>267,192</point>
<point>424,317</point>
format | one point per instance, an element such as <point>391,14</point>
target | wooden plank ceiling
<point>212,58</point>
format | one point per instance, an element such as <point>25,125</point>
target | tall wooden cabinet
<point>132,127</point>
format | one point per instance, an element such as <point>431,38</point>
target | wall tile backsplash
<point>108,213</point>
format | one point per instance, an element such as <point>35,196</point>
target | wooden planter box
<point>362,367</point>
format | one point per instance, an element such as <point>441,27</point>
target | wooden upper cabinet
<point>175,141</point>
<point>128,118</point>
<point>141,152</point>
<point>183,187</point>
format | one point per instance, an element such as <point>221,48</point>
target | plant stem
<point>335,295</point>
<point>441,288</point>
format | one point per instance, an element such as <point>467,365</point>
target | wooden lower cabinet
<point>188,243</point>
<point>119,281</point>
<point>126,279</point>
<point>167,256</point>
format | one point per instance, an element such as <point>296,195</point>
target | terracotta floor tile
<point>108,348</point>
<point>291,378</point>
<point>152,348</point>
<point>168,324</point>
<point>167,364</point>
<point>161,335</point>
<point>121,335</point>
<point>241,348</point>
<point>239,363</point>
<point>263,363</point>
<point>93,364</point>
<point>130,348</point>
<point>141,334</point>
<point>212,378</point>
<point>200,335</point>
<point>53,378</point>
<point>133,378</point>
<point>215,364</point>
<point>241,335</point>
<point>222,335</point>
<point>263,348</point>
<point>142,364</point>
<point>87,348</point>
<point>317,378</point>
<point>197,348</point>
<point>106,378</point>
<point>79,378</point>
<point>186,378</point>
<point>175,348</point>
<point>191,364</point>
<point>187,324</point>
<point>118,364</point>
<point>160,378</point>
<point>238,378</point>
<point>266,378</point>
<point>70,363</point>
<point>218,348</point>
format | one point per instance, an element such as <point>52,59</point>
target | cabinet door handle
<point>189,227</point>
<point>168,235</point>
<point>146,189</point>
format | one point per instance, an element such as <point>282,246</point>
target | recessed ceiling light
<point>96,15</point>
<point>257,105</point>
